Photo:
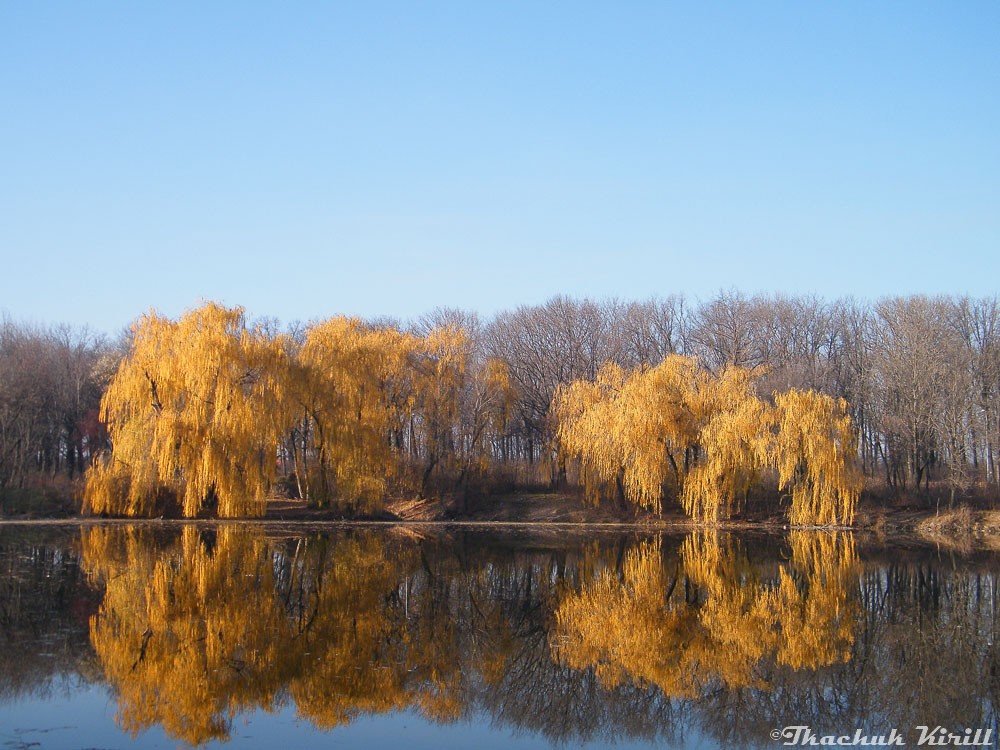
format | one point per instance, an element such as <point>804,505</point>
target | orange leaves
<point>813,453</point>
<point>678,429</point>
<point>349,387</point>
<point>193,412</point>
<point>634,430</point>
<point>200,409</point>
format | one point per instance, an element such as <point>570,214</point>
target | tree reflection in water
<point>711,621</point>
<point>606,639</point>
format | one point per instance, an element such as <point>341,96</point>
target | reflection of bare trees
<point>577,641</point>
<point>44,606</point>
<point>932,638</point>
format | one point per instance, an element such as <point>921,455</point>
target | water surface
<point>249,635</point>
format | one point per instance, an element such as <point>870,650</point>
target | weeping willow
<point>200,407</point>
<point>439,368</point>
<point>732,448</point>
<point>814,451</point>
<point>678,430</point>
<point>636,433</point>
<point>194,414</point>
<point>348,389</point>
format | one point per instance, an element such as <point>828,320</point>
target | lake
<point>253,635</point>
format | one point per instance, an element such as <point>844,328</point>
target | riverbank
<point>962,528</point>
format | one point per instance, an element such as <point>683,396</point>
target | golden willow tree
<point>374,407</point>
<point>349,389</point>
<point>732,448</point>
<point>678,430</point>
<point>814,452</point>
<point>439,366</point>
<point>636,433</point>
<point>195,416</point>
<point>200,408</point>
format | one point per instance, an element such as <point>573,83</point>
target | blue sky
<point>373,158</point>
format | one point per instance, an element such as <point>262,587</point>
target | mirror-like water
<point>163,635</point>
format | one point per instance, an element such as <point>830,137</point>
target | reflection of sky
<point>76,716</point>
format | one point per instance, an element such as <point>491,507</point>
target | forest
<point>656,403</point>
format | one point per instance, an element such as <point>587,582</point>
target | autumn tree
<point>707,439</point>
<point>814,452</point>
<point>349,386</point>
<point>637,432</point>
<point>439,368</point>
<point>674,428</point>
<point>733,448</point>
<point>194,414</point>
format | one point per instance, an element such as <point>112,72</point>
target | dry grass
<point>958,521</point>
<point>961,529</point>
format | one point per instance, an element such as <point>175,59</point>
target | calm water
<point>120,636</point>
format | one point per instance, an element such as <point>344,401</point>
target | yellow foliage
<point>632,628</point>
<point>350,651</point>
<point>488,411</point>
<point>820,612</point>
<point>191,635</point>
<point>194,411</point>
<point>199,407</point>
<point>636,432</point>
<point>439,367</point>
<point>814,453</point>
<point>678,429</point>
<point>348,384</point>
<point>733,444</point>
<point>373,402</point>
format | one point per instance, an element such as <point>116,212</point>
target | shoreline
<point>960,530</point>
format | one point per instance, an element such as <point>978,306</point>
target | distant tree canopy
<point>678,429</point>
<point>51,381</point>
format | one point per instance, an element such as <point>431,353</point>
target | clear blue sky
<point>375,158</point>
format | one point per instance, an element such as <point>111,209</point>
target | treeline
<point>921,377</point>
<point>921,374</point>
<point>51,383</point>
